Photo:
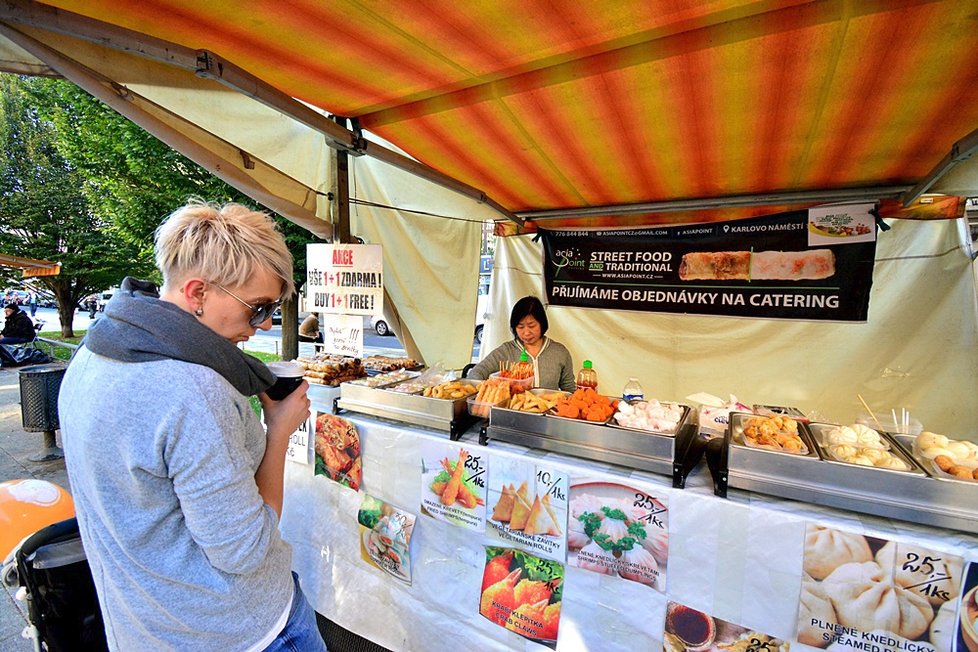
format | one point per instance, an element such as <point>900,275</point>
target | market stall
<point>741,559</point>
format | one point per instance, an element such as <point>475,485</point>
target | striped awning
<point>548,106</point>
<point>31,267</point>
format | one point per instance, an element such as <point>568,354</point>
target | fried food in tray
<point>383,363</point>
<point>329,369</point>
<point>533,402</point>
<point>585,405</point>
<point>451,390</point>
<point>777,433</point>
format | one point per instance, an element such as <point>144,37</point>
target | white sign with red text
<point>345,279</point>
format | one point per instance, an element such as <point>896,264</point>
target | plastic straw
<point>861,400</point>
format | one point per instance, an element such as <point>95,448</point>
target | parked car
<point>382,327</point>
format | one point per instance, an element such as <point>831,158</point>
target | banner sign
<point>345,279</point>
<point>814,264</point>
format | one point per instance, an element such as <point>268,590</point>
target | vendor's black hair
<point>526,307</point>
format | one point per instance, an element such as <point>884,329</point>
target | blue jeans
<point>300,633</point>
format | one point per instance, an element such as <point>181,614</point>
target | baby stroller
<point>62,606</point>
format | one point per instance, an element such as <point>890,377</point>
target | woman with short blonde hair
<point>177,485</point>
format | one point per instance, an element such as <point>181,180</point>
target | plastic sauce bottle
<point>633,390</point>
<point>587,377</point>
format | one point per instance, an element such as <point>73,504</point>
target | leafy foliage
<point>82,185</point>
<point>44,212</point>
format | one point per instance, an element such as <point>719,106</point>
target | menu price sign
<point>385,537</point>
<point>343,335</point>
<point>865,593</point>
<point>529,507</point>
<point>298,450</point>
<point>345,279</point>
<point>618,530</point>
<point>523,593</point>
<point>453,485</point>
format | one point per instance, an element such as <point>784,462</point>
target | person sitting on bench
<point>18,327</point>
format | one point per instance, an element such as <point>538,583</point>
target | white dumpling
<point>944,626</point>
<point>958,449</point>
<point>864,598</point>
<point>921,570</point>
<point>656,541</point>
<point>576,537</point>
<point>930,440</point>
<point>842,435</point>
<point>813,607</point>
<point>892,462</point>
<point>826,549</point>
<point>934,451</point>
<point>638,565</point>
<point>593,557</point>
<point>843,451</point>
<point>867,437</point>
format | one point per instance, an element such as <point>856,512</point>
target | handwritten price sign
<point>343,335</point>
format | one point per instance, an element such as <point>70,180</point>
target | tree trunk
<point>66,307</point>
<point>290,328</point>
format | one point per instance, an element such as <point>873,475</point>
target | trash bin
<point>39,387</point>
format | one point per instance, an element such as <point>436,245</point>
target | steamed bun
<point>940,565</point>
<point>864,598</point>
<point>827,549</point>
<point>813,605</point>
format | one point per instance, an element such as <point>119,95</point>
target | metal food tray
<point>911,495</point>
<point>436,413</point>
<point>637,449</point>
<point>685,414</point>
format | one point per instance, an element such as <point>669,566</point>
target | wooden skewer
<point>861,400</point>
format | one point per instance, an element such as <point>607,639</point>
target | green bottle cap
<point>587,364</point>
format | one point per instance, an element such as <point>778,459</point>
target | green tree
<point>44,211</point>
<point>136,180</point>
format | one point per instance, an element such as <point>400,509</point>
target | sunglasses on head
<point>259,313</point>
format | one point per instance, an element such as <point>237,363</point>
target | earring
<point>200,311</point>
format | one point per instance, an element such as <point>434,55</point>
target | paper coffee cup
<point>288,376</point>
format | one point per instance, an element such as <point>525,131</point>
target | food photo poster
<point>523,593</point>
<point>385,537</point>
<point>621,530</point>
<point>866,593</point>
<point>453,484</point>
<point>964,631</point>
<point>527,507</point>
<point>338,450</point>
<point>689,629</point>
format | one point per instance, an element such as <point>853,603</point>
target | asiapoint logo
<point>568,258</point>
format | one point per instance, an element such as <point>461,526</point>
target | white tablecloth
<point>739,559</point>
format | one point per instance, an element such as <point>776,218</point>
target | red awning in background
<point>547,106</point>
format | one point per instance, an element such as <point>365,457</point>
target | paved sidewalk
<point>16,448</point>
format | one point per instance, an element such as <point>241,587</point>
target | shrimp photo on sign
<point>453,485</point>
